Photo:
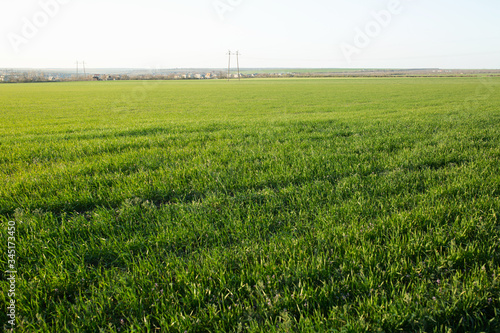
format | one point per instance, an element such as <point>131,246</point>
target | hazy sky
<point>268,33</point>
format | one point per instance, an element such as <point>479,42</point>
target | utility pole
<point>238,63</point>
<point>84,71</point>
<point>229,65</point>
<point>77,69</point>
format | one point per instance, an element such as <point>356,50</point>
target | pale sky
<point>268,33</point>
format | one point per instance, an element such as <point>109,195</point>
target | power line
<point>237,54</point>
<point>238,63</point>
<point>229,66</point>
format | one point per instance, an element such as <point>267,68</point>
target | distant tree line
<point>25,77</point>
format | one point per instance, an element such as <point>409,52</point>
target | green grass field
<point>301,205</point>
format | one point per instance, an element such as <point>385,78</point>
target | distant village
<point>18,76</point>
<point>61,75</point>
